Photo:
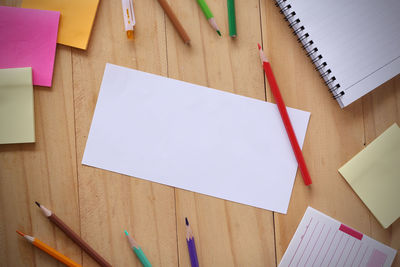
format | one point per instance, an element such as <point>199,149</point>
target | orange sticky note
<point>76,19</point>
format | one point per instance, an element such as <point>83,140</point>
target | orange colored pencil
<point>49,250</point>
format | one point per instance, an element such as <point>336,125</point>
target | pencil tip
<point>20,233</point>
<point>186,221</point>
<point>126,233</point>
<point>219,33</point>
<point>259,46</point>
<point>37,203</point>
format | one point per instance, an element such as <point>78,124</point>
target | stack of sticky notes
<point>28,40</point>
<point>16,106</point>
<point>27,50</point>
<point>374,174</point>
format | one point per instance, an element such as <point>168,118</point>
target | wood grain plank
<point>44,171</point>
<point>382,109</point>
<point>109,202</point>
<point>334,135</point>
<point>226,233</point>
<point>100,204</point>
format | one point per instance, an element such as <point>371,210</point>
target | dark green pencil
<point>232,18</point>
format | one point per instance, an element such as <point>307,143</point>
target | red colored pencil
<point>285,118</point>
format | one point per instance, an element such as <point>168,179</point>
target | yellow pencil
<point>49,250</point>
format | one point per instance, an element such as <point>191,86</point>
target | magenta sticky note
<point>28,38</point>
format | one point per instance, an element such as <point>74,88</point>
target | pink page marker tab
<point>377,259</point>
<point>350,231</point>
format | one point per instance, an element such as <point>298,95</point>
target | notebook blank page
<point>359,40</point>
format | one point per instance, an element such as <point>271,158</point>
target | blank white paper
<point>193,137</point>
<point>323,241</point>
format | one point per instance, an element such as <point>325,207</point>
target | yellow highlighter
<point>129,17</point>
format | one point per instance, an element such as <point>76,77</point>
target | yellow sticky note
<point>374,174</point>
<point>16,106</point>
<point>76,21</point>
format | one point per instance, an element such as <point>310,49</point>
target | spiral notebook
<point>353,44</point>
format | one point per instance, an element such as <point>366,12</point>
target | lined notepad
<point>354,44</point>
<point>374,174</point>
<point>322,241</point>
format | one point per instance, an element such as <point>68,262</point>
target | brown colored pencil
<point>71,234</point>
<point>178,26</point>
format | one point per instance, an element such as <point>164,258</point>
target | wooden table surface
<point>99,204</point>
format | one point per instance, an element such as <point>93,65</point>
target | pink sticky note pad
<point>28,38</point>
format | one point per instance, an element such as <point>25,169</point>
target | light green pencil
<point>209,15</point>
<point>138,251</point>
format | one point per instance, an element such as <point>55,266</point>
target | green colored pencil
<point>138,251</point>
<point>232,18</point>
<point>209,15</point>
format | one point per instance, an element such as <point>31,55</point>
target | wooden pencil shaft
<point>206,10</point>
<point>287,123</point>
<point>142,257</point>
<point>54,253</point>
<point>209,15</point>
<point>78,240</point>
<point>192,252</point>
<point>285,117</point>
<point>232,18</point>
<point>178,26</point>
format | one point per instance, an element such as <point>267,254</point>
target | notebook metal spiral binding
<point>310,48</point>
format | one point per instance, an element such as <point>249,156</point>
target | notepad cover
<point>17,124</point>
<point>77,17</point>
<point>28,39</point>
<point>374,174</point>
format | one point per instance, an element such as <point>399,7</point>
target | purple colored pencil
<point>194,261</point>
<point>192,252</point>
